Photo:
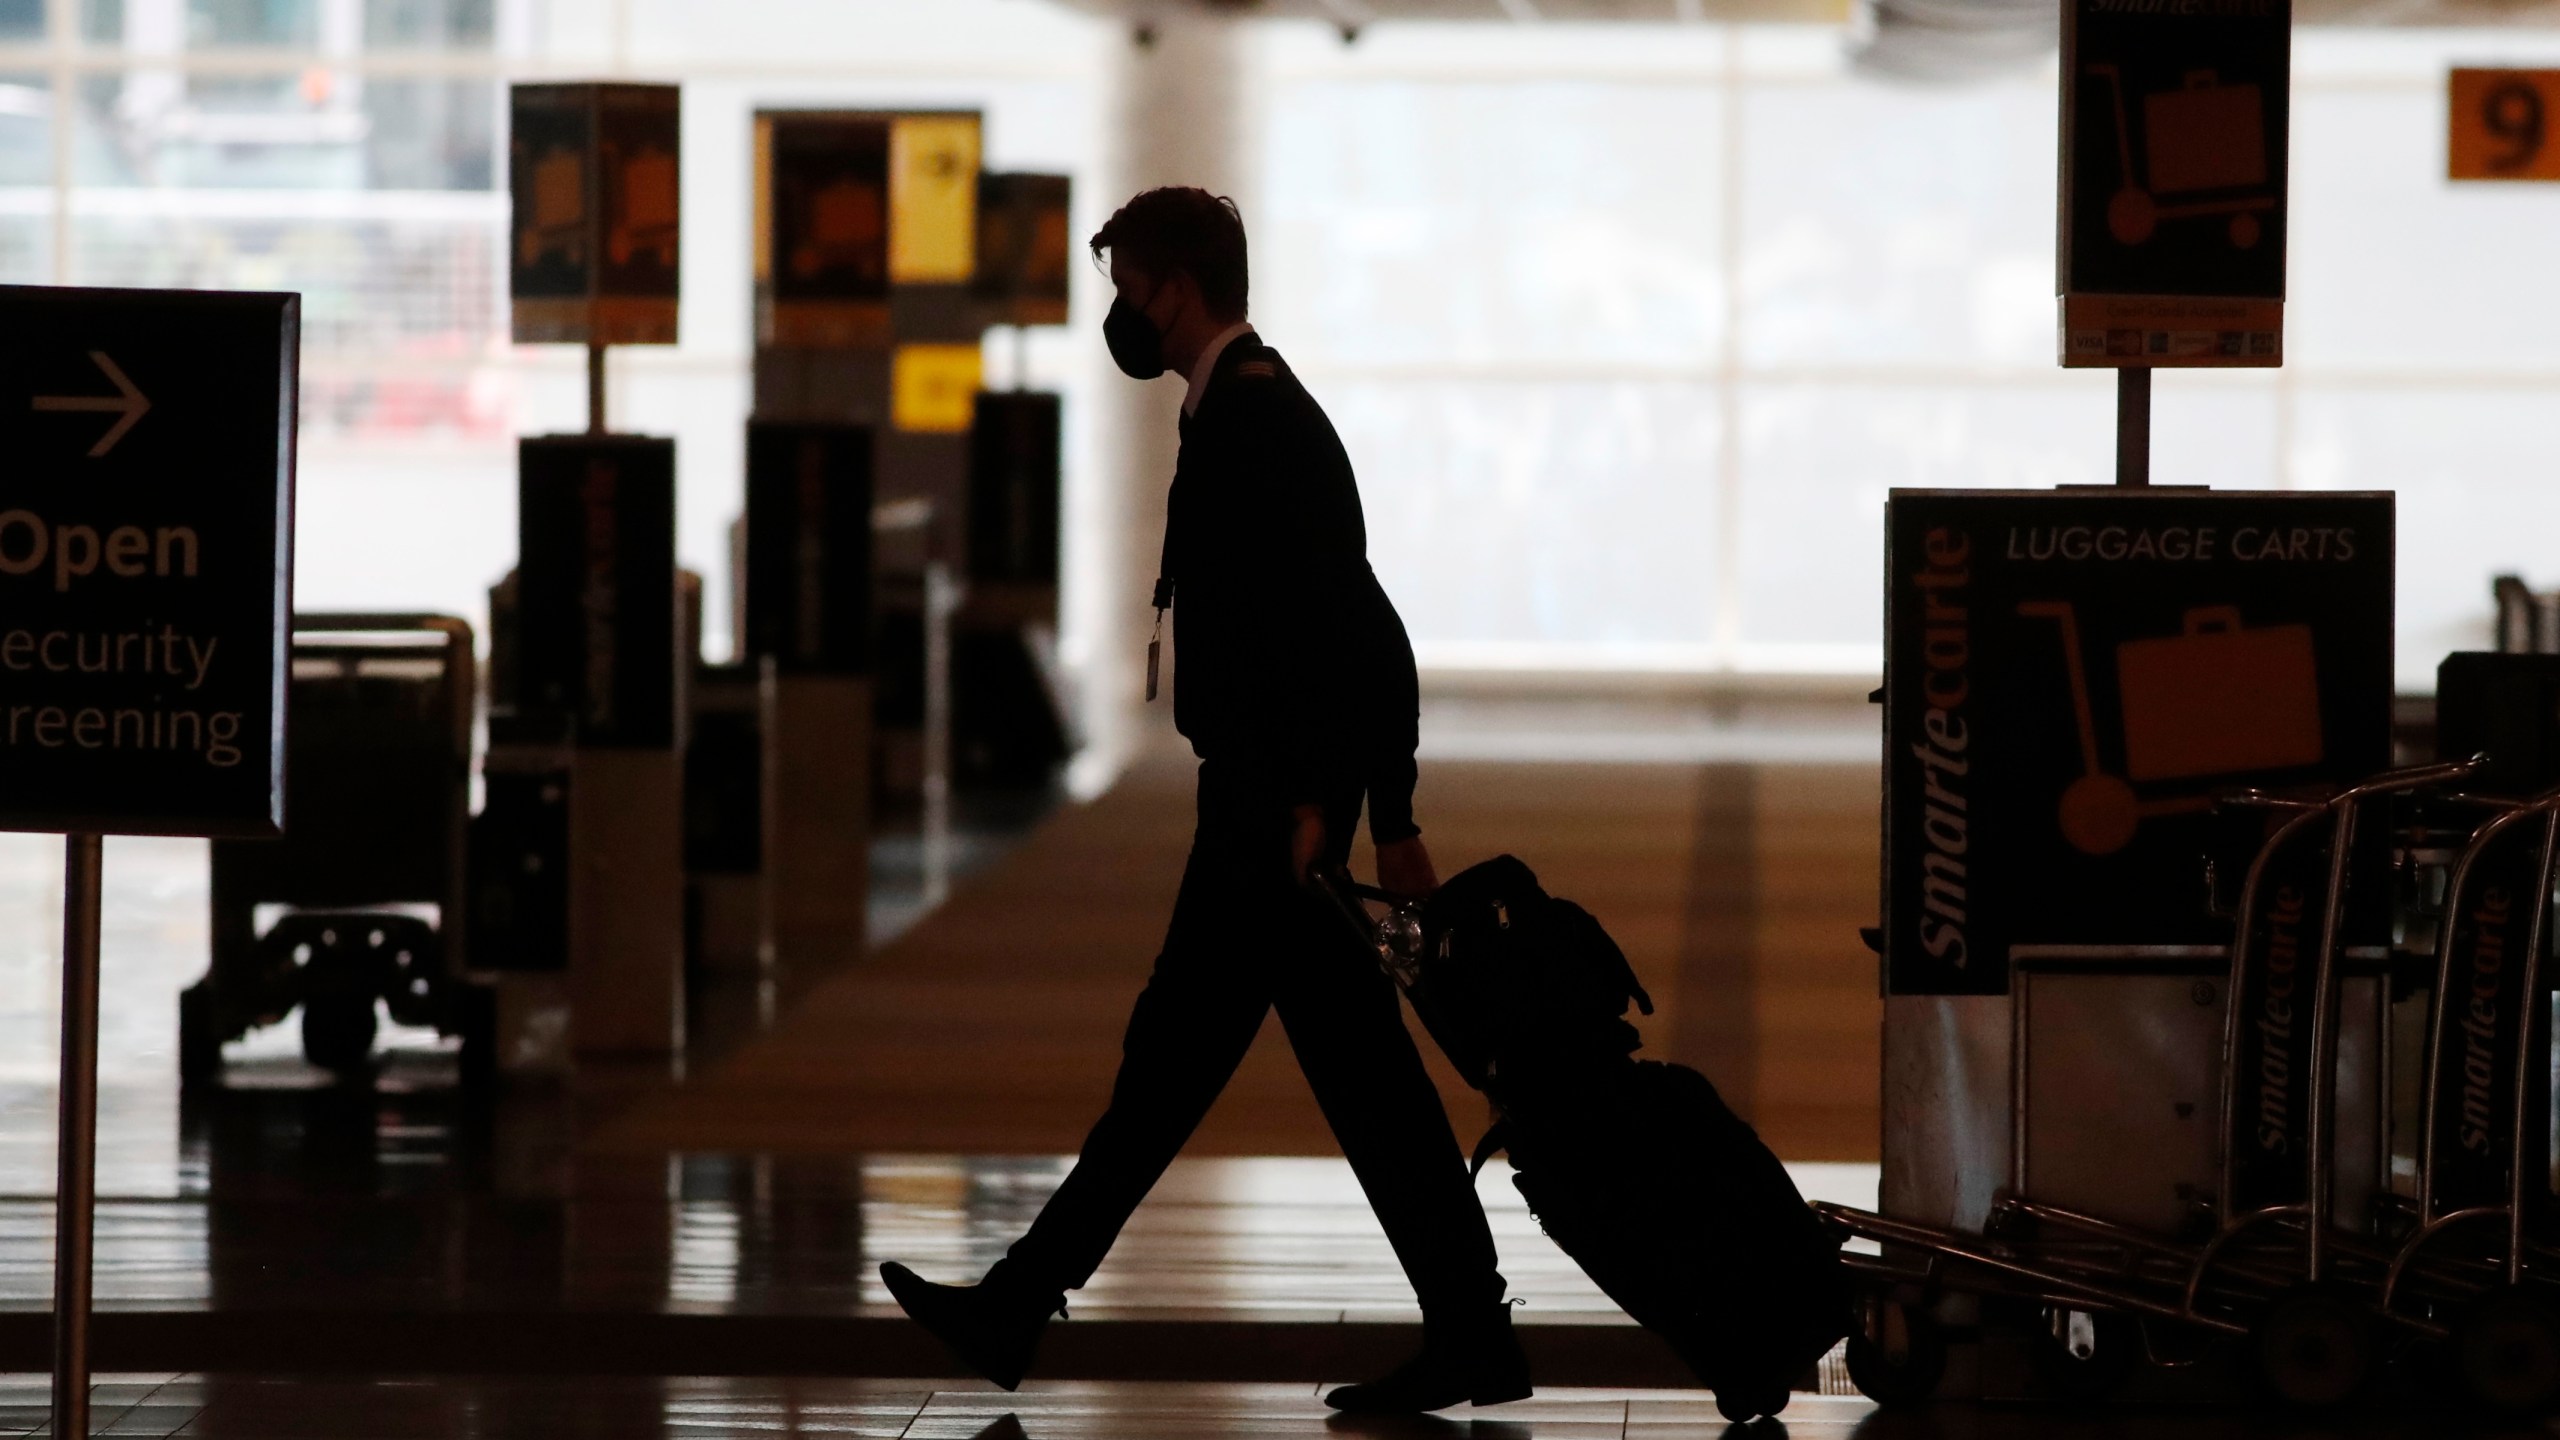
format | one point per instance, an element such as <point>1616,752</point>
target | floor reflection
<point>237,1408</point>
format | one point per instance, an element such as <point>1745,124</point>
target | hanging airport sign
<point>933,389</point>
<point>593,171</point>
<point>933,199</point>
<point>596,587</point>
<point>808,543</point>
<point>2072,680</point>
<point>1023,248</point>
<point>822,230</point>
<point>2499,124</point>
<point>146,559</point>
<point>2174,134</point>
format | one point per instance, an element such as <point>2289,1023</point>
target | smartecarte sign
<point>146,524</point>
<point>2072,679</point>
<point>2175,133</point>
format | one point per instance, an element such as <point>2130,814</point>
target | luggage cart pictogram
<point>2206,142</point>
<point>844,227</point>
<point>558,222</point>
<point>2219,698</point>
<point>647,222</point>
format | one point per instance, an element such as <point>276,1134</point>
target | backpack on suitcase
<point>1635,1168</point>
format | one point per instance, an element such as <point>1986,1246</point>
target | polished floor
<point>725,1216</point>
<point>564,1408</point>
<point>1736,884</point>
<point>682,1409</point>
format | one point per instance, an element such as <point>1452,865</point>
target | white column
<point>1180,117</point>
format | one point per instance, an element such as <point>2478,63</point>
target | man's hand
<point>1404,868</point>
<point>1306,842</point>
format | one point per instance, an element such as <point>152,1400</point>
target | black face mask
<point>1137,347</point>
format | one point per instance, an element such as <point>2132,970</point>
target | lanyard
<point>1163,601</point>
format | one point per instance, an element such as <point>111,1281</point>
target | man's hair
<point>1186,229</point>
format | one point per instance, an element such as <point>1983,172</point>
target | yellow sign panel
<point>933,389</point>
<point>2500,125</point>
<point>933,199</point>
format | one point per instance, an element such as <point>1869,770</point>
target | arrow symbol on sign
<point>131,406</point>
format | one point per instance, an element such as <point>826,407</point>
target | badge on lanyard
<point>1155,642</point>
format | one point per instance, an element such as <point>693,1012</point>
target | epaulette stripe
<point>1257,369</point>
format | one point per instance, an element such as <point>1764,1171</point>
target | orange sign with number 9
<point>2505,125</point>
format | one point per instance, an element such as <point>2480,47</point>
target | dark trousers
<point>1246,939</point>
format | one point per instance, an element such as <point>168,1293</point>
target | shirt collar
<point>1207,365</point>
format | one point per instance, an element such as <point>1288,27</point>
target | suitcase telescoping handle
<point>1397,941</point>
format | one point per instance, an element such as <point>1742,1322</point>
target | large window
<point>1630,328</point>
<point>1630,331</point>
<point>352,150</point>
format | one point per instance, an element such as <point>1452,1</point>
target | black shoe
<point>993,1327</point>
<point>1477,1362</point>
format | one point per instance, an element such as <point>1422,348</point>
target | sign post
<point>76,1155</point>
<point>146,580</point>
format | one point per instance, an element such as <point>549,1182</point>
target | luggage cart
<point>2478,1223</point>
<point>361,901</point>
<point>2273,1269</point>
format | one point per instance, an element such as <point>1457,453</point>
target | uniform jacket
<point>1291,660</point>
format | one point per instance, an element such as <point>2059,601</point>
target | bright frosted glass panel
<point>2207,428</point>
<point>949,36</point>
<point>1431,223</point>
<point>26,247</point>
<point>2479,496</point>
<point>2393,266</point>
<point>1886,223</point>
<point>429,24</point>
<point>424,279</point>
<point>317,129</point>
<point>26,130</point>
<point>1818,460</point>
<point>453,517</point>
<point>1573,515</point>
<point>1301,50</point>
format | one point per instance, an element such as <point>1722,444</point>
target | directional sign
<point>933,199</point>
<point>2500,125</point>
<point>146,559</point>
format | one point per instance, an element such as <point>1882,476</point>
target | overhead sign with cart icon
<point>594,171</point>
<point>2073,679</point>
<point>2174,130</point>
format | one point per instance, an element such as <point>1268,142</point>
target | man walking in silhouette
<point>1296,689</point>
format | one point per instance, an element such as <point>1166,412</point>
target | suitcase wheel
<point>1741,1404</point>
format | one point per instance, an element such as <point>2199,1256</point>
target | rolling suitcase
<point>1635,1168</point>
